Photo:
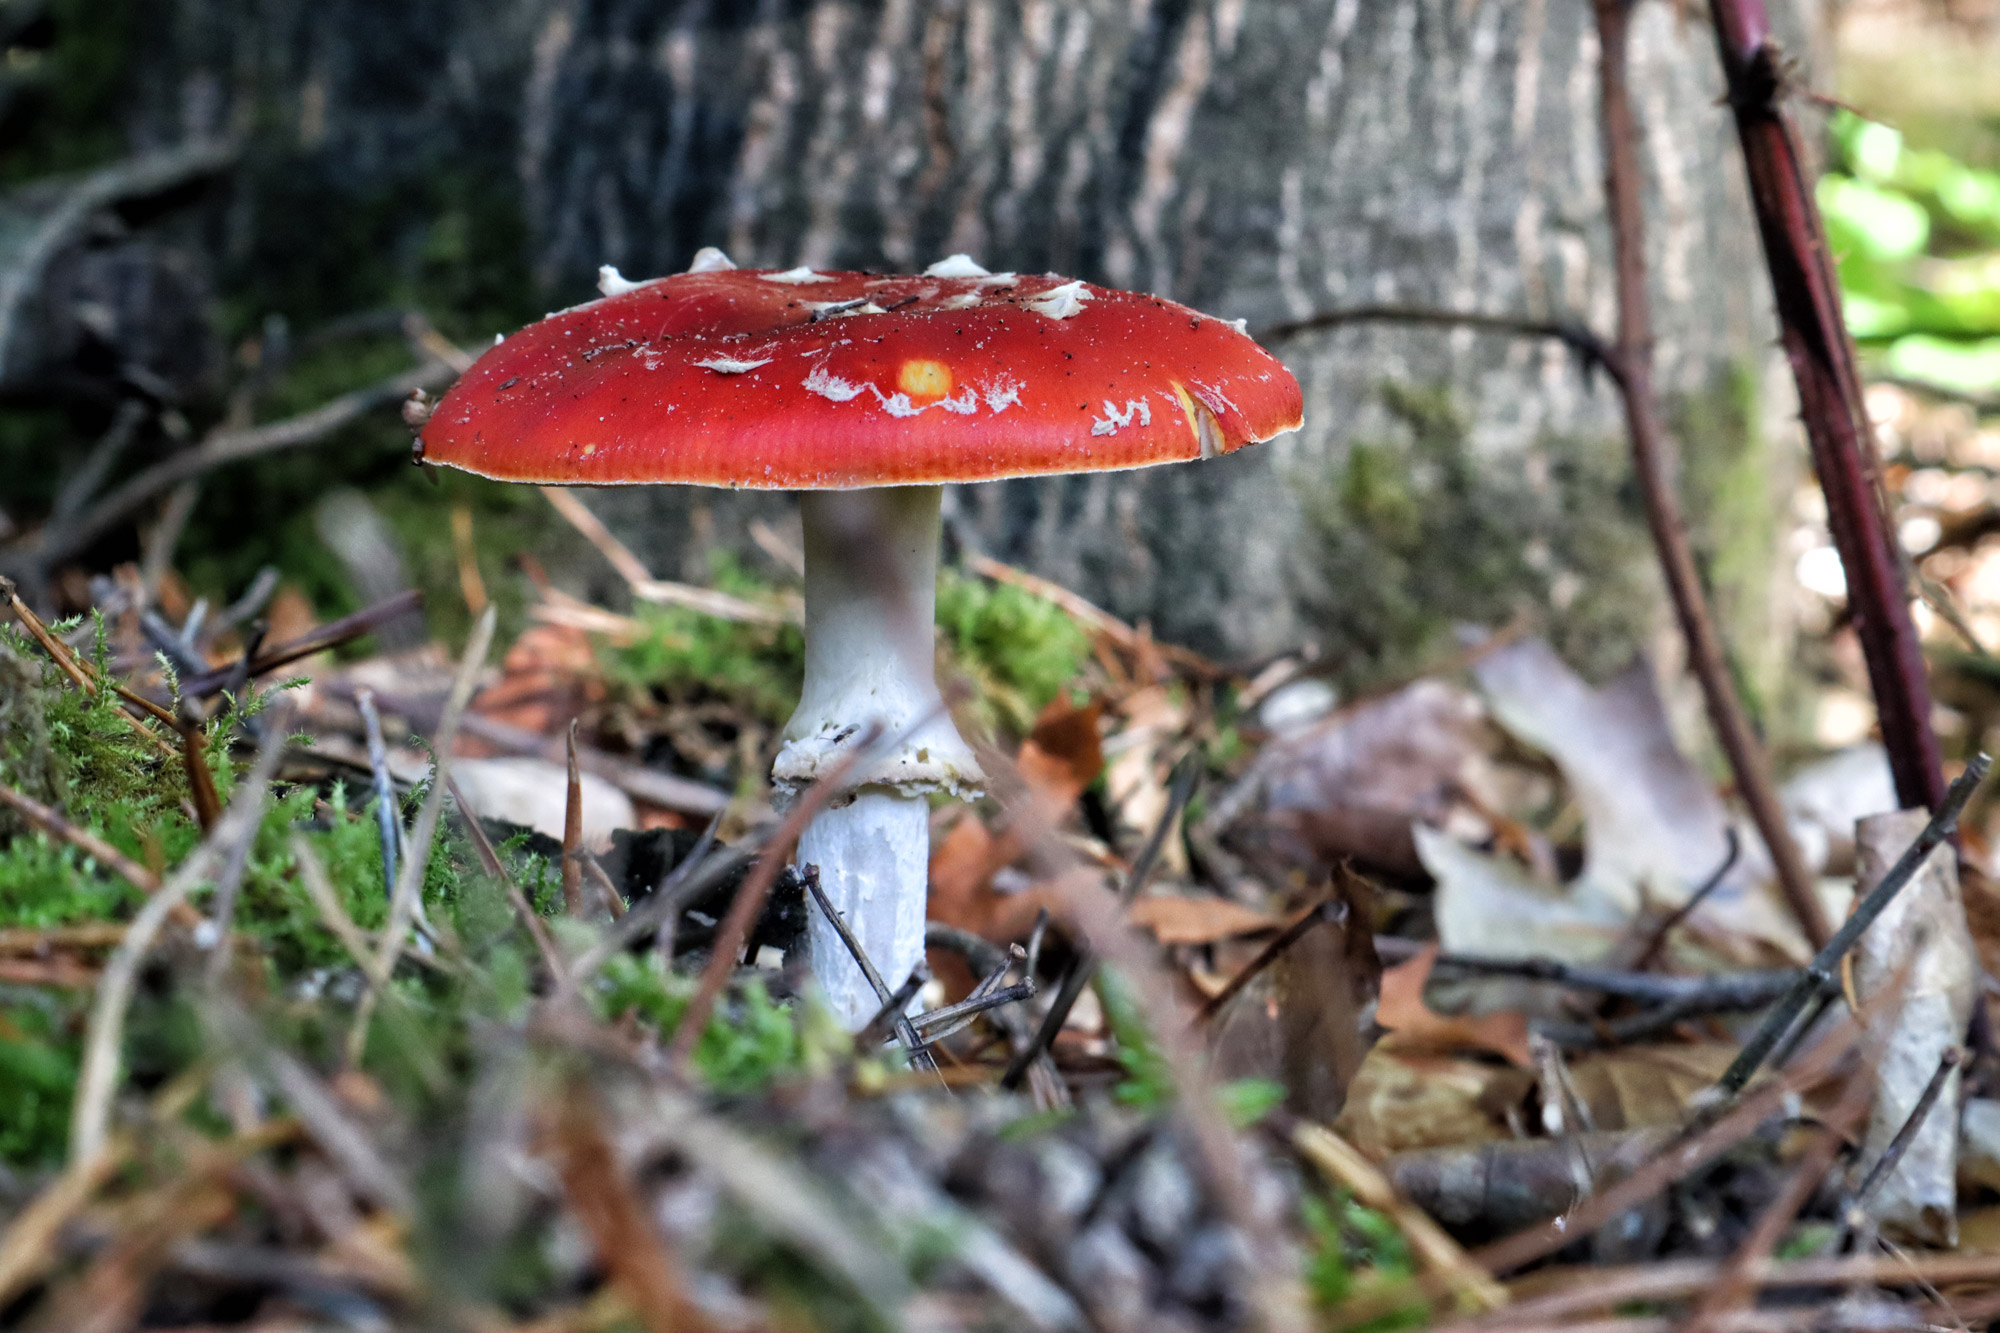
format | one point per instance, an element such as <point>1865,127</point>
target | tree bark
<point>1259,161</point>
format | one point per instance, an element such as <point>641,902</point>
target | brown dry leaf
<point>1058,760</point>
<point>1354,784</point>
<point>1308,1020</point>
<point>1414,1026</point>
<point>1403,1103</point>
<point>1921,946</point>
<point>1647,1085</point>
<point>545,679</point>
<point>1181,918</point>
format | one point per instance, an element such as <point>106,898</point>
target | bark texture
<point>1259,160</point>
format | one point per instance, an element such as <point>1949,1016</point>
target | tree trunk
<point>1268,161</point>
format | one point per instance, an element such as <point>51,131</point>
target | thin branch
<point>405,901</point>
<point>919,1057</point>
<point>1892,1156</point>
<point>953,1017</point>
<point>1820,976</point>
<point>318,640</point>
<point>97,1079</point>
<point>388,819</point>
<point>1671,922</point>
<point>231,446</point>
<point>489,859</point>
<point>1807,297</point>
<point>53,824</point>
<point>749,902</point>
<point>572,839</point>
<point>1083,966</point>
<point>1327,909</point>
<point>1573,334</point>
<point>1651,461</point>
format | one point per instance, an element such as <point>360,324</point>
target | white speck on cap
<point>1061,302</point>
<point>1241,326</point>
<point>613,283</point>
<point>726,365</point>
<point>796,277</point>
<point>958,266</point>
<point>708,259</point>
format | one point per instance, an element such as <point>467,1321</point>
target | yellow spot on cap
<point>924,381</point>
<point>1187,406</point>
<point>589,449</point>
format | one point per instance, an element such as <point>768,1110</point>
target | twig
<point>663,938</point>
<point>640,579</point>
<point>1728,990</point>
<point>920,1058</point>
<point>1328,909</point>
<point>572,839</point>
<point>85,679</point>
<point>403,902</point>
<point>892,1008</point>
<point>1590,349</point>
<point>1821,975</point>
<point>201,782</point>
<point>327,902</point>
<point>1045,1081</point>
<point>140,878</point>
<point>952,1017</point>
<point>1090,615</point>
<point>489,859</point>
<point>1650,459</point>
<point>1676,1161</point>
<point>1830,400</point>
<point>231,446</point>
<point>1083,965</point>
<point>662,906</point>
<point>749,902</point>
<point>1662,932</point>
<point>1733,1288</point>
<point>1892,1155</point>
<point>330,635</point>
<point>1345,1168</point>
<point>97,1079</point>
<point>387,815</point>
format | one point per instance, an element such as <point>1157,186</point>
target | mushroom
<point>866,393</point>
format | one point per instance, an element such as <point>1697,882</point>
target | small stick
<point>97,1079</point>
<point>885,1017</point>
<point>953,1017</point>
<point>1734,1286</point>
<point>201,782</point>
<point>386,813</point>
<point>1652,464</point>
<point>409,883</point>
<point>140,878</point>
<point>85,679</point>
<point>749,901</point>
<point>1573,334</point>
<point>1892,1155</point>
<point>490,860</point>
<point>1673,919</point>
<point>330,635</point>
<point>572,843</point>
<point>1825,967</point>
<point>663,938</point>
<point>331,913</point>
<point>1740,990</point>
<point>614,901</point>
<point>905,1032</point>
<point>1327,909</point>
<point>1083,966</point>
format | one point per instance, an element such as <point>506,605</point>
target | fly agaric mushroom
<point>866,393</point>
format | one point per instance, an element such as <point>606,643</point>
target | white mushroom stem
<point>871,591</point>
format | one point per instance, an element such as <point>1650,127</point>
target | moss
<point>1018,649</point>
<point>1735,508</point>
<point>1417,534</point>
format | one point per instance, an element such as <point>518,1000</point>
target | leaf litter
<point>1403,977</point>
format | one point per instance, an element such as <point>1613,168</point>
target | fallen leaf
<point>1414,1026</point>
<point>1179,918</point>
<point>1353,785</point>
<point>1308,1020</point>
<point>1921,944</point>
<point>1402,1102</point>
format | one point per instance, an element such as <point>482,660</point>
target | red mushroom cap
<point>803,381</point>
